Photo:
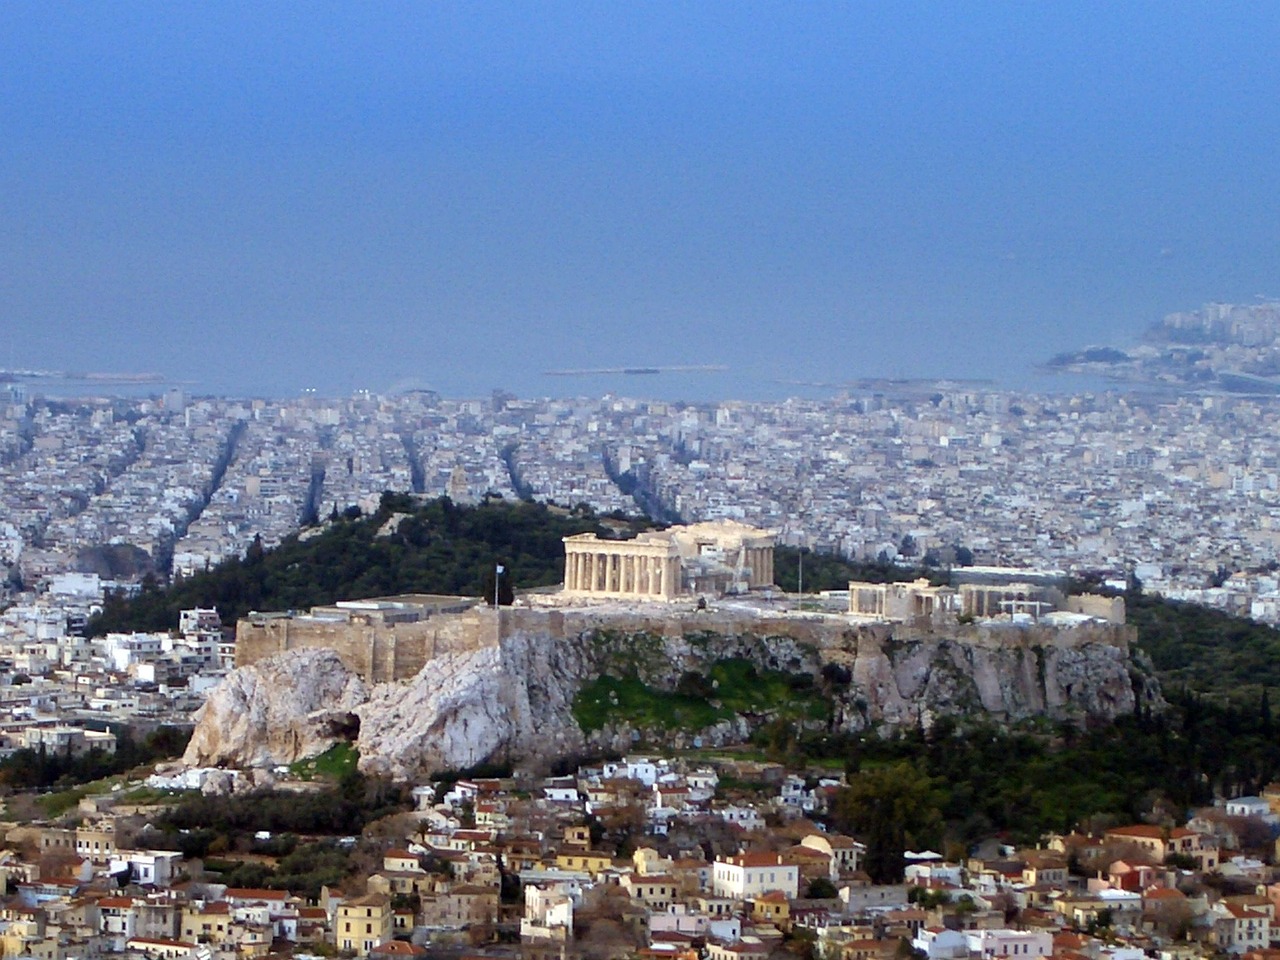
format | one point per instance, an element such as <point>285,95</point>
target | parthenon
<point>718,558</point>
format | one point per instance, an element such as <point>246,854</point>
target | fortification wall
<point>1095,605</point>
<point>819,631</point>
<point>380,652</point>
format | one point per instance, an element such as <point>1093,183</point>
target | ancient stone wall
<point>381,652</point>
<point>377,651</point>
<point>1095,605</point>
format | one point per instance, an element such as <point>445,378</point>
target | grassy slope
<point>731,687</point>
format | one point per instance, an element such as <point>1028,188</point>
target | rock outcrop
<point>286,708</point>
<point>509,702</point>
<point>513,700</point>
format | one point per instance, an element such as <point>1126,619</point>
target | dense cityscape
<point>1113,482</point>
<point>106,494</point>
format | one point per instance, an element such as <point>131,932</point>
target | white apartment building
<point>1010,943</point>
<point>751,874</point>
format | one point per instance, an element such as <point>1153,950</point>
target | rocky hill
<point>537,694</point>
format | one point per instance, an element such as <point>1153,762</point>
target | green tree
<point>505,583</point>
<point>889,808</point>
<point>820,888</point>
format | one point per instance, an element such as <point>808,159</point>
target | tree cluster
<point>302,871</point>
<point>954,785</point>
<point>436,547</point>
<point>341,810</point>
<point>42,769</point>
<point>1206,650</point>
<point>830,571</point>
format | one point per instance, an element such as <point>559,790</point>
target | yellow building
<point>208,923</point>
<point>588,861</point>
<point>772,907</point>
<point>364,923</point>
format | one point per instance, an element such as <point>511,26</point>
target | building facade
<point>716,558</point>
<point>752,874</point>
<point>980,593</point>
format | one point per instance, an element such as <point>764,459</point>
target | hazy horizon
<point>264,198</point>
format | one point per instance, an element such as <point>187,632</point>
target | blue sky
<point>263,197</point>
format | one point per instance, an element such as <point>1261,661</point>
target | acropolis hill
<point>438,682</point>
<point>658,583</point>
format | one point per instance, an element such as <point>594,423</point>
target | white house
<point>560,790</point>
<point>751,874</point>
<point>1248,807</point>
<point>548,913</point>
<point>156,867</point>
<point>1010,943</point>
<point>634,768</point>
<point>748,818</point>
<point>1238,929</point>
<point>939,944</point>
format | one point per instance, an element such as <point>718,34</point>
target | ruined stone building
<point>980,593</point>
<point>716,558</point>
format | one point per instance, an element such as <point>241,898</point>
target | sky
<point>262,198</point>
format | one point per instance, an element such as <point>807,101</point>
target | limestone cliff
<point>513,699</point>
<point>511,702</point>
<point>280,710</point>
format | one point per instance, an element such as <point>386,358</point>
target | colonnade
<point>621,573</point>
<point>980,600</point>
<point>869,599</point>
<point>759,563</point>
<point>901,601</point>
<point>671,563</point>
